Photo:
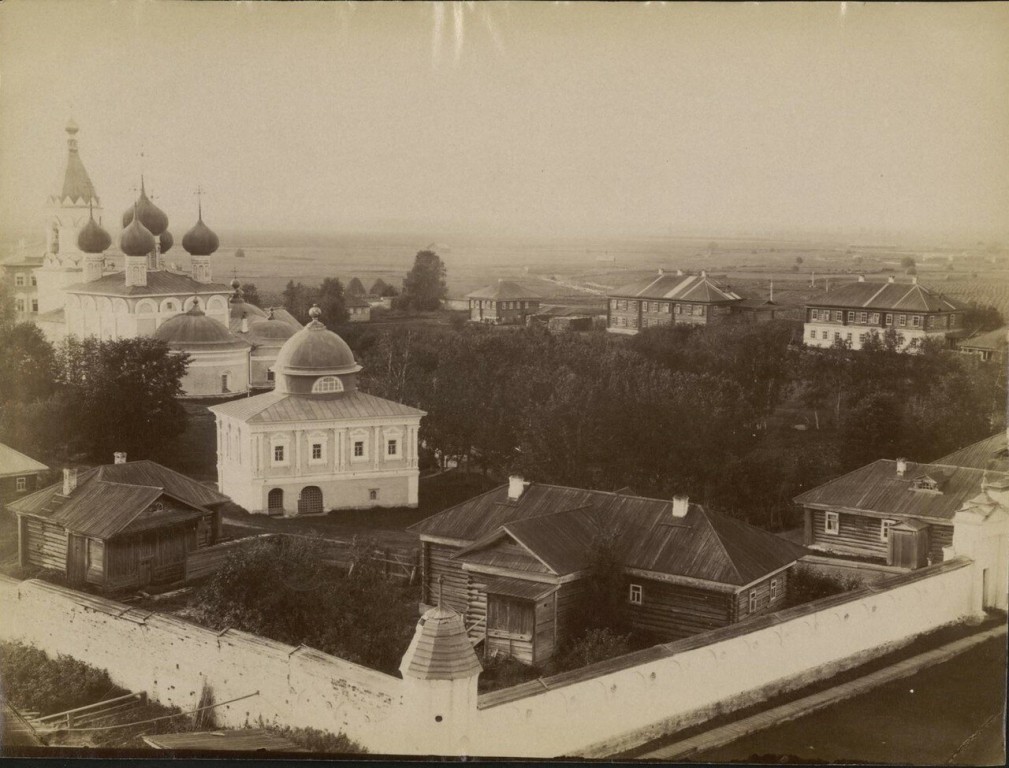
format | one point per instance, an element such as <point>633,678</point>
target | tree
<point>907,262</point>
<point>355,287</point>
<point>28,363</point>
<point>798,260</point>
<point>332,302</point>
<point>298,299</point>
<point>8,312</point>
<point>251,294</point>
<point>424,287</point>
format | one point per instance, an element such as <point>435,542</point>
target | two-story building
<point>669,299</point>
<point>316,442</point>
<point>855,312</point>
<point>514,560</point>
<point>503,303</point>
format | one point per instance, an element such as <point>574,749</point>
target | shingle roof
<point>878,488</point>
<point>16,463</point>
<point>888,296</point>
<point>244,740</point>
<point>696,288</point>
<point>558,525</point>
<point>504,290</point>
<point>440,649</point>
<point>159,283</point>
<point>990,453</point>
<point>273,407</point>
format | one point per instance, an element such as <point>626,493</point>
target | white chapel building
<point>316,442</point>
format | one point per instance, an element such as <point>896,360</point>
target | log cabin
<point>19,474</point>
<point>990,453</point>
<point>897,512</point>
<point>669,299</point>
<point>503,303</point>
<point>118,526</point>
<point>513,562</point>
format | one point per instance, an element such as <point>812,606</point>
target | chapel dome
<point>200,240</point>
<point>166,241</point>
<point>271,330</point>
<point>136,239</point>
<point>93,238</point>
<point>315,351</point>
<point>194,329</point>
<point>149,214</point>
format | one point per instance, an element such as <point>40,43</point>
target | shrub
<point>593,645</point>
<point>807,584</point>
<point>504,672</point>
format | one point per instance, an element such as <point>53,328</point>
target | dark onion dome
<point>194,329</point>
<point>149,214</point>
<point>200,240</point>
<point>166,241</point>
<point>136,239</point>
<point>235,284</point>
<point>92,238</point>
<point>315,351</point>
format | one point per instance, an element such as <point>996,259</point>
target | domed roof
<point>92,238</point>
<point>166,241</point>
<point>315,351</point>
<point>271,330</point>
<point>195,329</point>
<point>136,239</point>
<point>200,240</point>
<point>149,214</point>
<point>239,308</point>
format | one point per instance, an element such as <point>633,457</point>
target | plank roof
<point>505,290</point>
<point>992,341</point>
<point>278,407</point>
<point>990,453</point>
<point>878,488</point>
<point>695,288</point>
<point>160,282</point>
<point>243,740</point>
<point>440,648</point>
<point>558,525</point>
<point>906,297</point>
<point>16,463</point>
<point>517,588</point>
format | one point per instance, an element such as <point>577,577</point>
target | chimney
<point>704,273</point>
<point>901,467</point>
<point>861,278</point>
<point>69,481</point>
<point>516,487</point>
<point>889,279</point>
<point>679,273</point>
<point>119,457</point>
<point>680,506</point>
<point>661,271</point>
<point>245,324</point>
<point>914,279</point>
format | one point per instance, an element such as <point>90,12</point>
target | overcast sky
<point>516,117</point>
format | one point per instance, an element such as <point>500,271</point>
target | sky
<point>517,118</point>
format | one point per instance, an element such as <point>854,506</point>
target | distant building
<point>358,309</point>
<point>505,302</point>
<point>990,346</point>
<point>854,312</point>
<point>316,442</point>
<point>118,526</point>
<point>669,299</point>
<point>19,274</point>
<point>19,474</point>
<point>898,511</point>
<point>512,561</point>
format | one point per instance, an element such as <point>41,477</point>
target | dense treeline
<point>709,412</point>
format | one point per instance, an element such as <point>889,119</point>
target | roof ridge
<point>718,538</point>
<point>846,474</point>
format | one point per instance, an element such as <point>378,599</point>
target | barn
<point>513,561</point>
<point>118,526</point>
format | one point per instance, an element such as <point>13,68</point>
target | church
<point>76,289</point>
<point>316,442</point>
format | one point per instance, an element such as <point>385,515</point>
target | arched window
<point>310,500</point>
<point>275,501</point>
<point>328,384</point>
<point>226,382</point>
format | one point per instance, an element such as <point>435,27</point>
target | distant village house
<point>504,303</point>
<point>19,474</point>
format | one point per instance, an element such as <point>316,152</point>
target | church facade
<point>316,442</point>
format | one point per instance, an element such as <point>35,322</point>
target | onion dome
<point>200,240</point>
<point>149,214</point>
<point>166,241</point>
<point>235,284</point>
<point>136,239</point>
<point>194,330</point>
<point>92,238</point>
<point>315,351</point>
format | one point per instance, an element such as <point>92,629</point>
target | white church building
<point>316,442</point>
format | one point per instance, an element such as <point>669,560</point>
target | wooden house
<point>990,346</point>
<point>19,474</point>
<point>513,562</point>
<point>669,299</point>
<point>118,526</point>
<point>897,512</point>
<point>504,303</point>
<point>990,453</point>
<point>358,309</point>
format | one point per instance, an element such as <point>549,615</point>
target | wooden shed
<point>118,526</point>
<point>909,544</point>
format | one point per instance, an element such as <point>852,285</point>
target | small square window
<point>831,523</point>
<point>373,494</point>
<point>916,321</point>
<point>774,589</point>
<point>19,280</point>
<point>851,317</point>
<point>35,305</point>
<point>392,448</point>
<point>874,318</point>
<point>902,320</point>
<point>837,335</point>
<point>634,598</point>
<point>316,451</point>
<point>862,317</point>
<point>888,320</point>
<point>838,316</point>
<point>22,483</point>
<point>278,453</point>
<point>270,375</point>
<point>823,334</point>
<point>812,333</point>
<point>359,448</point>
<point>884,529</point>
<point>753,600</point>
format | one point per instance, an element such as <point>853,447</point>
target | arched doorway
<point>310,500</point>
<point>275,501</point>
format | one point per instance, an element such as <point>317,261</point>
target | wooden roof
<point>990,453</point>
<point>160,282</point>
<point>557,526</point>
<point>992,341</point>
<point>244,740</point>
<point>440,649</point>
<point>16,463</point>
<point>887,296</point>
<point>695,288</point>
<point>279,407</point>
<point>878,488</point>
<point>505,290</point>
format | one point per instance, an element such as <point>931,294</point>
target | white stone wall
<point>816,334</point>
